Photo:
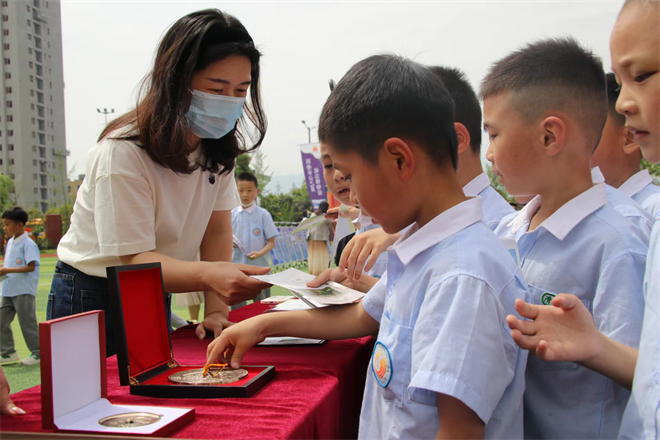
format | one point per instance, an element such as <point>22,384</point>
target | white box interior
<point>76,379</point>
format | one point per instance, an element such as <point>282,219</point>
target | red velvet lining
<point>161,379</point>
<point>144,319</point>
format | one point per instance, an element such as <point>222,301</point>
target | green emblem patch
<point>546,298</point>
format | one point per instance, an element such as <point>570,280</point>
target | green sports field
<point>21,376</point>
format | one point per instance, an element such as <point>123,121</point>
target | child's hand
<point>7,406</point>
<point>353,213</point>
<point>215,322</point>
<point>231,281</point>
<point>231,345</point>
<point>340,277</point>
<point>253,255</point>
<point>564,331</point>
<point>365,246</point>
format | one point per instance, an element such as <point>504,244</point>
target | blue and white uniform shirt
<point>587,249</point>
<point>253,226</point>
<point>493,205</point>
<point>641,220</point>
<point>641,421</point>
<point>20,252</point>
<point>366,224</point>
<point>641,189</point>
<point>442,306</point>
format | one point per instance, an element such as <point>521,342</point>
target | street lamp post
<point>309,132</point>
<point>105,112</point>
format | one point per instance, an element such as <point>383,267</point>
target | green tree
<point>243,164</point>
<point>34,213</point>
<point>6,192</point>
<point>290,207</point>
<point>261,170</point>
<point>497,185</point>
<point>654,169</point>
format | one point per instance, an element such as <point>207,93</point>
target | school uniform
<point>587,249</point>
<point>641,221</point>
<point>366,224</point>
<point>642,417</point>
<point>494,206</point>
<point>640,188</point>
<point>442,306</point>
<point>19,291</point>
<point>253,226</point>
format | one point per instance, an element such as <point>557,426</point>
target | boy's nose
<point>353,197</point>
<point>489,154</point>
<point>624,103</point>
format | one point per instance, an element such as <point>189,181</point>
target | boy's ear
<point>554,135</point>
<point>463,137</point>
<point>398,158</point>
<point>630,146</point>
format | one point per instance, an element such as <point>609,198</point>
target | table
<point>316,393</point>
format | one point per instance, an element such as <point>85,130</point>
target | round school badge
<point>19,261</point>
<point>256,232</point>
<point>546,298</point>
<point>381,364</point>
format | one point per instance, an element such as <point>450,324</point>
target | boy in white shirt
<point>442,366</point>
<point>618,156</point>
<point>544,109</point>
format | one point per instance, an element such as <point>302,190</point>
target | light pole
<point>105,113</point>
<point>309,132</point>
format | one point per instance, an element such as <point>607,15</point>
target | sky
<point>108,48</point>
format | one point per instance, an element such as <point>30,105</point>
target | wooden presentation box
<point>144,349</point>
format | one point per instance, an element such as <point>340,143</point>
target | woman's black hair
<point>159,123</point>
<point>323,208</point>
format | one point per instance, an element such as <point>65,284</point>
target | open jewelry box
<point>74,384</point>
<point>144,349</point>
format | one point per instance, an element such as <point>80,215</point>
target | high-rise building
<point>32,138</point>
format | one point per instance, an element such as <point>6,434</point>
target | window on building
<point>10,104</point>
<point>29,23</point>
<point>10,133</point>
<point>34,121</point>
<point>51,112</point>
<point>0,161</point>
<point>28,9</point>
<point>5,18</point>
<point>11,161</point>
<point>5,32</point>
<point>12,176</point>
<point>49,45</point>
<point>34,135</point>
<point>0,146</point>
<point>34,148</point>
<point>5,4</point>
<point>51,98</point>
<point>6,46</point>
<point>34,162</point>
<point>31,78</point>
<point>7,75</point>
<point>7,61</point>
<point>11,147</point>
<point>36,190</point>
<point>31,92</point>
<point>31,106</point>
<point>29,51</point>
<point>30,37</point>
<point>10,118</point>
<point>31,64</point>
<point>7,90</point>
<point>52,125</point>
<point>35,176</point>
<point>48,31</point>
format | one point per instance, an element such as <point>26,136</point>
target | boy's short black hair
<point>387,96</point>
<point>467,110</point>
<point>16,214</point>
<point>613,90</point>
<point>247,177</point>
<point>554,74</point>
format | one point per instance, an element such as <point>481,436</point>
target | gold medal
<point>130,420</point>
<point>197,377</point>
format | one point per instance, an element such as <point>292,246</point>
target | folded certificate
<point>296,281</point>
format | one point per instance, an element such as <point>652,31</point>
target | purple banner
<point>313,168</point>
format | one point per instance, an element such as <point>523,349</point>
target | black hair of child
<point>613,90</point>
<point>553,74</point>
<point>467,109</point>
<point>247,177</point>
<point>16,214</point>
<point>387,96</point>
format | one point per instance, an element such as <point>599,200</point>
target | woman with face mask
<point>159,185</point>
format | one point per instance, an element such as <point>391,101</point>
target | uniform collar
<point>636,183</point>
<point>20,237</point>
<point>476,185</point>
<point>416,240</point>
<point>562,222</point>
<point>597,176</point>
<point>249,209</point>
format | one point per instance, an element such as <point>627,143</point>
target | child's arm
<point>365,246</point>
<point>565,331</point>
<point>339,322</point>
<point>30,267</point>
<point>457,420</point>
<point>270,244</point>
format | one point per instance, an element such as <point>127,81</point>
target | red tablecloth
<point>316,393</point>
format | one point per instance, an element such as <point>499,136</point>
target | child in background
<point>318,238</point>
<point>545,106</point>
<point>19,289</point>
<point>565,331</point>
<point>468,129</point>
<point>444,365</point>
<point>618,156</point>
<point>254,228</point>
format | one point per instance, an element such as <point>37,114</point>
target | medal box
<point>74,392</point>
<point>144,349</point>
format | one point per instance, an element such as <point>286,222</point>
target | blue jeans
<point>73,292</point>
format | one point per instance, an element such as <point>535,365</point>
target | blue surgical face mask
<point>213,116</point>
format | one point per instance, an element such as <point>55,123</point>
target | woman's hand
<point>214,323</point>
<point>365,248</point>
<point>7,407</point>
<point>231,345</point>
<point>231,282</point>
